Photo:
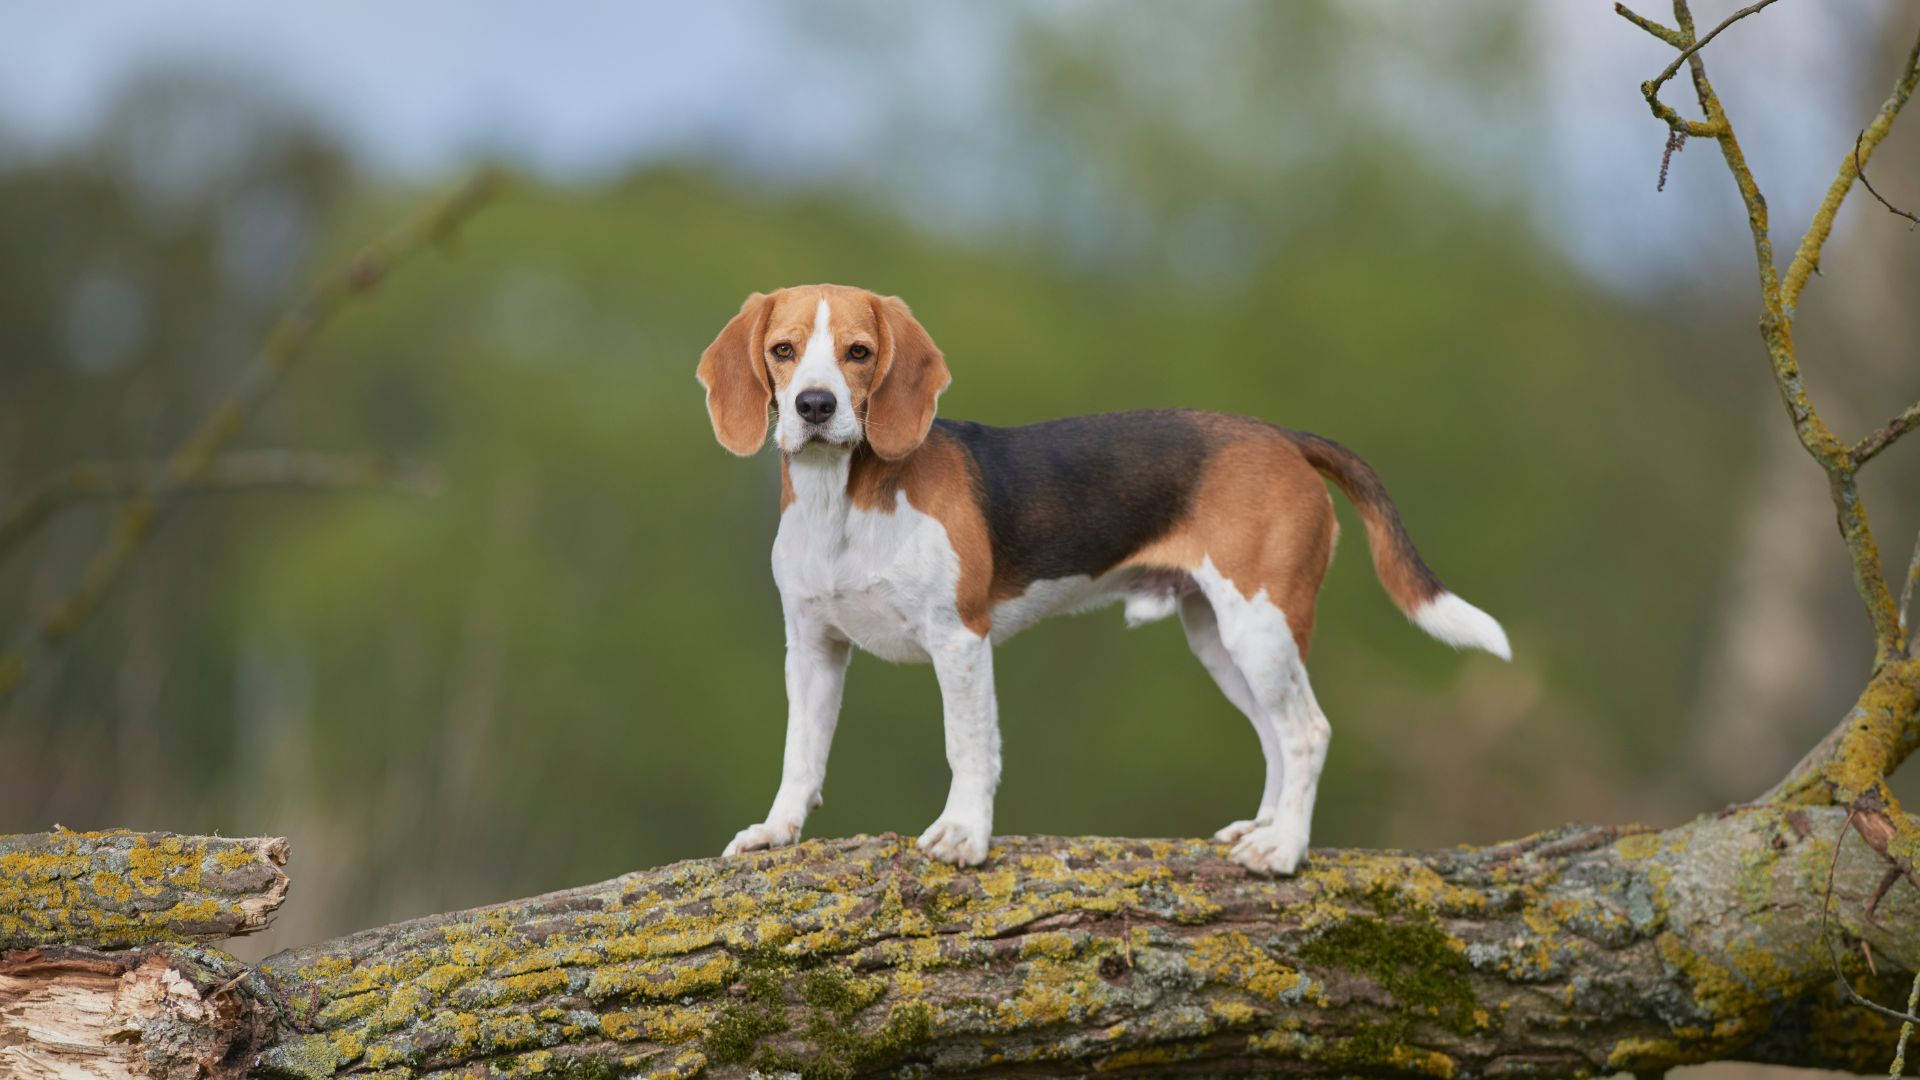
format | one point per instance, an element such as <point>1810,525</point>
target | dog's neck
<point>825,481</point>
<point>814,480</point>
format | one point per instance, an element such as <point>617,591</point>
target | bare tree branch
<point>1861,168</point>
<point>285,346</point>
<point>1681,39</point>
<point>1776,323</point>
<point>294,470</point>
<point>1807,258</point>
<point>1864,450</point>
<point>1906,594</point>
<point>1686,33</point>
<point>1899,1065</point>
<point>1666,34</point>
<point>1873,737</point>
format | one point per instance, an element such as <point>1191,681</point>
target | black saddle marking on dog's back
<point>1079,495</point>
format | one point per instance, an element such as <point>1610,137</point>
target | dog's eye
<point>857,353</point>
<point>782,351</point>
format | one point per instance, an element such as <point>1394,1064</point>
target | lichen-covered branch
<point>1876,820</point>
<point>1883,727</point>
<point>1875,736</point>
<point>1807,258</point>
<point>1839,460</point>
<point>1776,329</point>
<point>1899,1066</point>
<point>280,470</point>
<point>1688,47</point>
<point>285,346</point>
<point>1664,33</point>
<point>1572,952</point>
<point>1864,450</point>
<point>118,889</point>
<point>1906,592</point>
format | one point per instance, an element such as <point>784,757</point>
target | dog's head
<point>838,365</point>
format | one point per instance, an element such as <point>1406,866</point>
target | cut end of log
<point>119,889</point>
<point>144,1015</point>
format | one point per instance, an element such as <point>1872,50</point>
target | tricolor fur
<point>931,540</point>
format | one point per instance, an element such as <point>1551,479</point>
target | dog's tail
<point>1414,588</point>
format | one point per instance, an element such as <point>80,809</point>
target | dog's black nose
<point>814,405</point>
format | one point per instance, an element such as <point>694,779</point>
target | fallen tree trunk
<point>119,888</point>
<point>1572,952</point>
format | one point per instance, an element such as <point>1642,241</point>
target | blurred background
<point>1429,232</point>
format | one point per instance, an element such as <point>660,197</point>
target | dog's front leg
<point>816,674</point>
<point>963,661</point>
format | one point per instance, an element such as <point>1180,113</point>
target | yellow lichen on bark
<point>119,888</point>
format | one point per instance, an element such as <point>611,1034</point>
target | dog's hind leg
<point>1304,733</point>
<point>1203,637</point>
<point>1262,644</point>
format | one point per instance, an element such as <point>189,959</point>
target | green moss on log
<point>1424,969</point>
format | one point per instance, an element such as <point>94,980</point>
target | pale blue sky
<point>786,90</point>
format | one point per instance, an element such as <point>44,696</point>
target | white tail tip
<point>1461,625</point>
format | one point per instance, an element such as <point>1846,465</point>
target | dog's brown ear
<point>735,375</point>
<point>911,376</point>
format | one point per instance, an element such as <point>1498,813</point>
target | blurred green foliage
<point>568,664</point>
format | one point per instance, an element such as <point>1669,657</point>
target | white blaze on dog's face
<point>839,365</point>
<point>815,371</point>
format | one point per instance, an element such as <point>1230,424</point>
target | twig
<point>1860,169</point>
<point>1807,258</point>
<point>1674,68</point>
<point>1665,113</point>
<point>1664,33</point>
<point>1864,450</point>
<point>284,347</point>
<point>1906,594</point>
<point>1826,912</point>
<point>273,469</point>
<point>1887,881</point>
<point>1899,1065</point>
<point>231,983</point>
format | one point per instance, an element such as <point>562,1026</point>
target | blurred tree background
<point>1365,221</point>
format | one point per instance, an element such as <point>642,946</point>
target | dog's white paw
<point>767,834</point>
<point>1232,833</point>
<point>1272,849</point>
<point>953,840</point>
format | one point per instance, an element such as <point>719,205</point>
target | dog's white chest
<point>873,575</point>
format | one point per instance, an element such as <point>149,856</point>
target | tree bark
<point>117,889</point>
<point>1579,951</point>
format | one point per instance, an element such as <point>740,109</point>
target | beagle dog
<point>931,540</point>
